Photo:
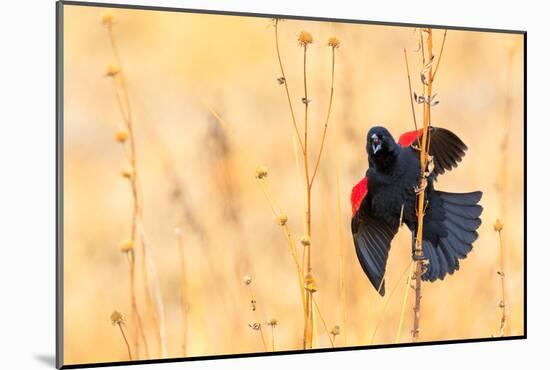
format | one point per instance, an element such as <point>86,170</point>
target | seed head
<point>305,241</point>
<point>112,70</point>
<point>247,280</point>
<point>334,42</point>
<point>126,246</point>
<point>309,282</point>
<point>273,322</point>
<point>117,318</point>
<point>121,136</point>
<point>261,172</point>
<point>283,219</point>
<point>304,39</point>
<point>335,331</point>
<point>107,17</point>
<point>498,225</point>
<point>312,287</point>
<point>127,173</point>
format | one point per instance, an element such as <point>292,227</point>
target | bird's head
<point>381,147</point>
<point>379,142</point>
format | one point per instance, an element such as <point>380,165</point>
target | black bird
<point>388,195</point>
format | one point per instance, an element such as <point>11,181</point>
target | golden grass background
<point>198,174</point>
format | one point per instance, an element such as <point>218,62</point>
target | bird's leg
<point>420,188</point>
<point>425,176</point>
<point>419,257</point>
<point>415,255</point>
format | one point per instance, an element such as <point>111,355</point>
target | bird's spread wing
<point>446,148</point>
<point>372,238</point>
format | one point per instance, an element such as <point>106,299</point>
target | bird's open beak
<point>376,144</point>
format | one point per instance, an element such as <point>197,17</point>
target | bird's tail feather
<point>461,222</point>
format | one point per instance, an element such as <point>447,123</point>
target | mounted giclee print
<point>252,184</point>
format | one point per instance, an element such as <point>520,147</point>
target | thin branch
<point>388,299</point>
<point>183,292</point>
<point>411,95</point>
<point>286,85</point>
<point>135,312</point>
<point>125,341</point>
<point>440,54</point>
<point>308,328</point>
<point>341,278</point>
<point>407,288</point>
<point>418,253</point>
<point>137,213</point>
<point>326,120</point>
<point>255,310</point>
<point>290,241</point>
<point>272,338</point>
<point>502,304</point>
<point>323,321</point>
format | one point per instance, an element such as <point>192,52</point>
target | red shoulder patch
<point>358,192</point>
<point>409,137</point>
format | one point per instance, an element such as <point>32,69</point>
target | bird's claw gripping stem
<point>428,171</point>
<point>421,188</point>
<point>419,256</point>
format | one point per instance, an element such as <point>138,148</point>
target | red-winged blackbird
<point>388,194</point>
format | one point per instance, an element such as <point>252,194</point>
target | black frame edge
<point>283,16</point>
<point>525,184</point>
<point>59,186</point>
<point>59,308</point>
<point>293,352</point>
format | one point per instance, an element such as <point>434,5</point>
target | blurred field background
<point>198,174</point>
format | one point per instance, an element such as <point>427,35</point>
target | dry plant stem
<point>303,146</point>
<point>502,305</point>
<point>125,341</point>
<point>286,85</point>
<point>299,176</point>
<point>440,54</point>
<point>308,327</point>
<point>157,320</point>
<point>272,338</point>
<point>316,167</point>
<point>306,265</point>
<point>183,294</point>
<point>135,312</point>
<point>323,321</point>
<point>411,94</point>
<point>276,210</point>
<point>258,320</point>
<point>299,272</point>
<point>388,299</point>
<point>292,247</point>
<point>405,298</point>
<point>126,113</point>
<point>341,251</point>
<point>502,183</point>
<point>290,241</point>
<point>421,196</point>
